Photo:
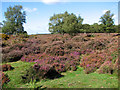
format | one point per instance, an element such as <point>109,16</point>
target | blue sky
<point>38,13</point>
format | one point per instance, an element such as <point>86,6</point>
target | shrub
<point>25,35</point>
<point>90,35</point>
<point>55,50</point>
<point>96,45</point>
<point>5,50</point>
<point>58,62</point>
<point>26,51</point>
<point>71,65</point>
<point>90,68</point>
<point>17,46</point>
<point>6,67</point>
<point>57,43</point>
<point>4,43</point>
<point>69,45</point>
<point>116,66</point>
<point>43,47</point>
<point>38,72</point>
<point>59,67</point>
<point>93,61</point>
<point>107,67</point>
<point>5,37</point>
<point>12,56</point>
<point>77,38</point>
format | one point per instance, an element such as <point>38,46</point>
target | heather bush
<point>35,48</point>
<point>38,72</point>
<point>106,67</point>
<point>96,45</point>
<point>26,51</point>
<point>17,46</point>
<point>90,68</point>
<point>55,50</point>
<point>12,56</point>
<point>59,67</point>
<point>116,66</point>
<point>43,47</point>
<point>69,45</point>
<point>57,43</point>
<point>30,58</point>
<point>70,66</point>
<point>77,38</point>
<point>6,67</point>
<point>5,50</point>
<point>58,62</point>
<point>93,61</point>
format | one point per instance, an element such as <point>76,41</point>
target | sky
<point>39,13</point>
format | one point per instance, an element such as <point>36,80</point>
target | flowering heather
<point>38,72</point>
<point>93,61</point>
<point>58,62</point>
<point>12,56</point>
<point>107,67</point>
<point>63,52</point>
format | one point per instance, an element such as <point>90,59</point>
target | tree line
<point>70,23</point>
<point>59,23</point>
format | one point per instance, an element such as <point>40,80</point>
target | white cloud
<point>50,1</point>
<point>30,10</point>
<point>104,11</point>
<point>54,1</point>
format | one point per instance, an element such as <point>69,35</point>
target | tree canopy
<point>65,23</point>
<point>70,23</point>
<point>107,21</point>
<point>15,17</point>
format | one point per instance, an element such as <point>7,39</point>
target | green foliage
<point>65,23</point>
<point>23,35</point>
<point>1,27</point>
<point>15,18</point>
<point>70,23</point>
<point>95,28</point>
<point>86,28</point>
<point>5,37</point>
<point>108,22</point>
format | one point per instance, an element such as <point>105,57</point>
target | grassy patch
<point>15,74</point>
<point>78,79</point>
<point>71,79</point>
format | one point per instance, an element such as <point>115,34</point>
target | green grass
<point>71,79</point>
<point>15,74</point>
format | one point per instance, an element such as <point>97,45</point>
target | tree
<point>86,28</point>
<point>95,28</point>
<point>15,18</point>
<point>1,27</point>
<point>108,21</point>
<point>65,23</point>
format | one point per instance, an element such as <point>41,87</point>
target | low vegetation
<point>36,60</point>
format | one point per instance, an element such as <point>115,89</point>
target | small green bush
<point>5,37</point>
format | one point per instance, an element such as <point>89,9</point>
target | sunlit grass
<point>71,79</point>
